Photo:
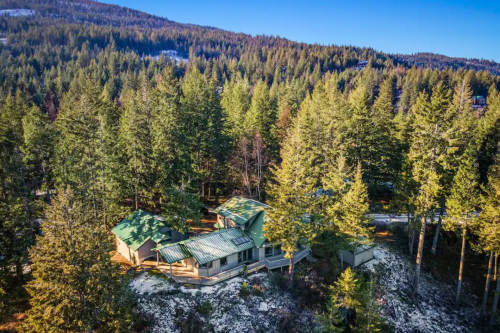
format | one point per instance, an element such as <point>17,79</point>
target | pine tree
<point>294,214</point>
<point>427,149</point>
<point>461,205</point>
<point>368,318</point>
<point>261,117</point>
<point>180,206</point>
<point>331,320</point>
<point>236,99</point>
<point>195,120</point>
<point>86,151</point>
<point>349,214</point>
<point>17,205</point>
<point>136,141</point>
<point>489,232</point>
<point>345,293</point>
<point>345,290</point>
<point>167,138</point>
<point>218,139</point>
<point>38,148</point>
<point>75,285</point>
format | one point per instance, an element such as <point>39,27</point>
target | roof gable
<point>255,230</point>
<point>138,228</point>
<point>240,210</point>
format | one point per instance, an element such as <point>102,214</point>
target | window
<point>207,265</point>
<point>223,261</point>
<point>240,257</point>
<point>273,251</point>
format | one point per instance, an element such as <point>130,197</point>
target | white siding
<point>348,258</point>
<point>123,248</point>
<point>144,251</point>
<point>364,256</point>
<point>355,260</point>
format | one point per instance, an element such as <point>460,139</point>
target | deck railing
<point>266,263</point>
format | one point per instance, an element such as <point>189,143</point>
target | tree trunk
<point>290,273</point>
<point>460,272</point>
<point>341,260</point>
<point>438,228</point>
<point>216,171</point>
<point>486,289</point>
<point>419,256</point>
<point>495,277</point>
<point>494,308</point>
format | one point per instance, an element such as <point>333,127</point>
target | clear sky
<point>458,28</point>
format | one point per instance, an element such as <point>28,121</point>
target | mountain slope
<point>86,12</point>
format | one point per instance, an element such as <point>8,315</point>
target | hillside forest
<point>96,121</point>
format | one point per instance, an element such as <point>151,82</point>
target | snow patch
<point>17,12</point>
<point>434,309</point>
<point>172,54</point>
<point>230,312</point>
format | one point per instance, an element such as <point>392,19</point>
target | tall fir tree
<point>462,204</point>
<point>294,213</point>
<point>75,285</point>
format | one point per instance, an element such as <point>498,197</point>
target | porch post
<point>157,258</point>
<point>170,270</point>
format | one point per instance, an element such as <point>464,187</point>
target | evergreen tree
<point>195,120</point>
<point>38,149</point>
<point>261,117</point>
<point>236,99</point>
<point>168,145</point>
<point>331,320</point>
<point>427,148</point>
<point>489,232</point>
<point>368,318</point>
<point>294,215</point>
<point>345,293</point>
<point>136,139</point>
<point>75,285</point>
<point>461,205</point>
<point>180,206</point>
<point>349,214</point>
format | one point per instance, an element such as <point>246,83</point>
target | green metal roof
<point>255,230</point>
<point>208,247</point>
<point>240,210</point>
<point>216,245</point>
<point>175,252</point>
<point>138,228</point>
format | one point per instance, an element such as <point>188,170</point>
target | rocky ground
<point>433,311</point>
<point>220,308</point>
<point>224,307</point>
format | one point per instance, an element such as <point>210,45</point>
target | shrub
<point>204,307</point>
<point>244,290</point>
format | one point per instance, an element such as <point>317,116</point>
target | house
<point>139,234</point>
<point>478,102</point>
<point>238,245</point>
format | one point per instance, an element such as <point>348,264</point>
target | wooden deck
<point>182,274</point>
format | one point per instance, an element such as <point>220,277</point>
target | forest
<point>95,122</point>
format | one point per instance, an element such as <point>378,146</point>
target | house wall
<point>145,251</point>
<point>348,258</point>
<point>364,256</point>
<point>123,248</point>
<point>357,259</point>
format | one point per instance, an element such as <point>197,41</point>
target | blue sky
<point>460,28</point>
